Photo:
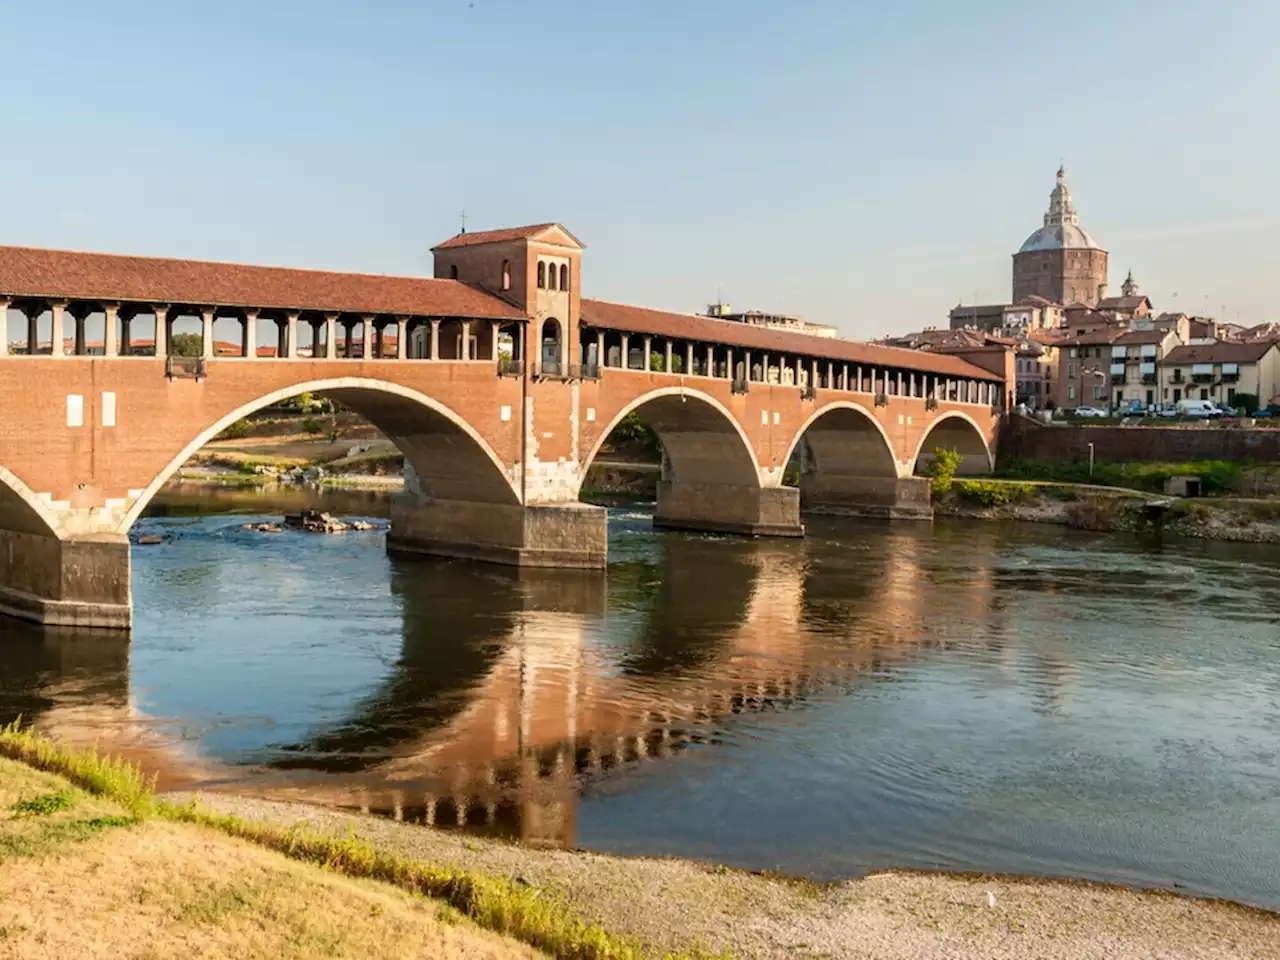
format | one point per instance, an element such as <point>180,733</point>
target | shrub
<point>942,468</point>
<point>1248,402</point>
<point>991,493</point>
<point>241,428</point>
<point>312,425</point>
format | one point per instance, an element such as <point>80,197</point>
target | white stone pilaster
<point>58,310</point>
<point>435,339</point>
<point>206,330</point>
<point>291,335</point>
<point>249,349</point>
<point>110,343</point>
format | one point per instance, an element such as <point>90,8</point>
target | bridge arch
<point>22,511</point>
<point>957,431</point>
<point>844,438</point>
<point>451,458</point>
<point>702,440</point>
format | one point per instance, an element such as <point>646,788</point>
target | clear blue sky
<point>866,165</point>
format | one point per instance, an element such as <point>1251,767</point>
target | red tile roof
<point>617,316</point>
<point>531,232</point>
<point>1143,336</point>
<point>1226,351</point>
<point>62,274</point>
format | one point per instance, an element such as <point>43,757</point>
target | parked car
<point>1199,409</point>
<point>1090,412</point>
<point>1270,410</point>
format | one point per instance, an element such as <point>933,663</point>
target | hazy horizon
<point>855,165</point>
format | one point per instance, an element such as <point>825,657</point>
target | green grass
<point>495,903</point>
<point>109,777</point>
<point>1217,476</point>
<point>44,805</point>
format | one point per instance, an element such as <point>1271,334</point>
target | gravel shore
<point>670,904</point>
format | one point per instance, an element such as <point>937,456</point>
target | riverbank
<point>92,864</point>
<point>669,904</point>
<point>1100,509</point>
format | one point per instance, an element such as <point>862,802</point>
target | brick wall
<point>1026,440</point>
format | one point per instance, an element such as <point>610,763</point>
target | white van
<point>1198,408</point>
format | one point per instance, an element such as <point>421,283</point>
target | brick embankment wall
<point>1023,439</point>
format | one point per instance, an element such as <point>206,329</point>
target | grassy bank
<point>206,875</point>
<point>1213,518</point>
<point>243,877</point>
<point>1218,477</point>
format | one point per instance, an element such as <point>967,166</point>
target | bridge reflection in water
<point>515,691</point>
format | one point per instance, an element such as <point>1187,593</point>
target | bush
<point>942,468</point>
<point>989,493</point>
<point>312,425</point>
<point>241,428</point>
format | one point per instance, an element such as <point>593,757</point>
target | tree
<point>186,345</point>
<point>1248,402</point>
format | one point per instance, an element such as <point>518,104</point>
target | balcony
<point>185,368</point>
<point>551,370</point>
<point>510,368</point>
<point>1201,377</point>
<point>1148,378</point>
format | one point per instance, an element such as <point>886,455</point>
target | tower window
<point>564,276</point>
<point>506,274</point>
<point>542,275</point>
<point>551,275</point>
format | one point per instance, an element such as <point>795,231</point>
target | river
<point>964,696</point>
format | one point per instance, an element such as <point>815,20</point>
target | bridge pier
<point>544,535</point>
<point>896,498</point>
<point>726,508</point>
<point>74,582</point>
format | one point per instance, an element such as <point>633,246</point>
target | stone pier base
<point>558,535</point>
<point>82,582</point>
<point>720,508</point>
<point>896,498</point>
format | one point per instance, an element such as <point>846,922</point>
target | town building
<point>1135,360</point>
<point>771,321</point>
<point>1084,370</point>
<point>1221,372</point>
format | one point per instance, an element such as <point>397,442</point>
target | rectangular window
<point>1072,353</point>
<point>1231,396</point>
<point>1071,371</point>
<point>1204,394</point>
<point>1071,392</point>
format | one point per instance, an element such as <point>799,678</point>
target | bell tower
<point>536,268</point>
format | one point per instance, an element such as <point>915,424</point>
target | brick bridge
<point>496,380</point>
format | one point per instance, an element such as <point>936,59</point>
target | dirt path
<point>670,904</point>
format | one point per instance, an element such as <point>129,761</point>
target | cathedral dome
<point>1061,230</point>
<point>1059,236</point>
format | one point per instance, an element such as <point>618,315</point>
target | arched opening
<point>955,431</point>
<point>551,276</point>
<point>136,331</point>
<point>706,473</point>
<point>506,274</point>
<point>449,459</point>
<point>231,334</point>
<point>21,512</point>
<point>542,275</point>
<point>564,276</point>
<point>844,463</point>
<point>185,332</point>
<point>551,337</point>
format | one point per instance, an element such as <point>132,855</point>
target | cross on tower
<point>463,215</point>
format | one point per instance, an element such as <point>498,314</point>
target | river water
<point>964,696</point>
